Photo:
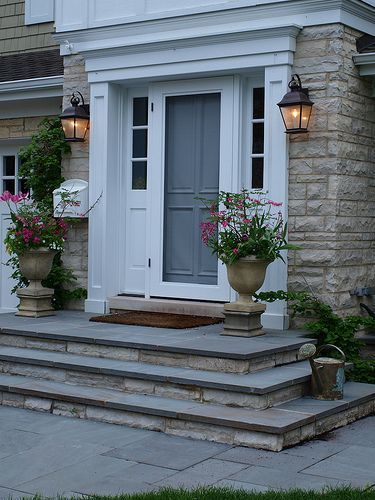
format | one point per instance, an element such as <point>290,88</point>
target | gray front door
<point>192,160</point>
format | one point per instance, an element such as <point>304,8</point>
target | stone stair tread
<point>260,382</point>
<point>277,420</point>
<point>355,393</point>
<point>272,421</point>
<point>196,342</point>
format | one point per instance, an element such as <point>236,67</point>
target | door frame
<point>158,93</point>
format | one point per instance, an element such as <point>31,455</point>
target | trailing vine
<point>330,328</point>
<point>40,171</point>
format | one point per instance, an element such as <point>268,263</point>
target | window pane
<point>258,138</point>
<point>258,103</point>
<point>140,111</point>
<point>139,175</point>
<point>9,165</point>
<point>257,173</point>
<point>22,186</point>
<point>139,143</point>
<point>8,185</point>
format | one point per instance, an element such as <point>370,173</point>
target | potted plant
<point>247,232</point>
<point>34,236</point>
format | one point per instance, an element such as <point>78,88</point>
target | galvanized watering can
<point>327,374</point>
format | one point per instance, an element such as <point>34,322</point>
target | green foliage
<point>41,160</point>
<point>214,493</point>
<point>244,224</point>
<point>59,279</point>
<point>329,328</point>
<point>363,371</point>
<point>41,172</point>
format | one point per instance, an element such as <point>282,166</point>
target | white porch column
<point>276,160</point>
<point>104,175</point>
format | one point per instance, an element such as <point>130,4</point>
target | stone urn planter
<point>242,318</point>
<point>35,299</point>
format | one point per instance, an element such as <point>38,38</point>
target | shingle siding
<point>15,37</point>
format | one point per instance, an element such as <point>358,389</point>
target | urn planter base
<point>243,320</point>
<point>35,302</point>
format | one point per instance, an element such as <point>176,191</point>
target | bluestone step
<point>255,390</point>
<point>272,429</point>
<point>189,349</point>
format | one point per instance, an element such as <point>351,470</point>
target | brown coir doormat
<point>156,319</point>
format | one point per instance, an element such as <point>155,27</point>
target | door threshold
<point>176,306</point>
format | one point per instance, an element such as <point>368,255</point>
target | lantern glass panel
<point>68,127</point>
<point>81,125</point>
<point>306,113</point>
<point>291,115</point>
<point>74,128</point>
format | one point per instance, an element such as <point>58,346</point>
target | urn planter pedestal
<point>242,318</point>
<point>35,299</point>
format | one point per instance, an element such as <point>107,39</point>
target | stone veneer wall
<point>16,128</point>
<point>76,166</point>
<point>332,172</point>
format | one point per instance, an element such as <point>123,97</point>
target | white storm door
<point>9,181</point>
<point>191,155</point>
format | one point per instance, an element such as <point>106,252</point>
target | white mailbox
<point>71,199</point>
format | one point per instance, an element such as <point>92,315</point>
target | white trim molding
<point>33,88</point>
<point>366,63</point>
<point>87,20</point>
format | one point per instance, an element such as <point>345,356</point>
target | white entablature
<point>94,22</point>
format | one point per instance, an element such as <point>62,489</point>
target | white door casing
<point>106,255</point>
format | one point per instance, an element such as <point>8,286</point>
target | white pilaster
<point>276,80</point>
<point>104,192</point>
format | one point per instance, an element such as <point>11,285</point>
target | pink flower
<point>23,196</point>
<point>275,203</point>
<point>208,229</point>
<point>6,196</point>
<point>15,198</point>
<point>224,223</point>
<point>235,251</point>
<point>36,239</point>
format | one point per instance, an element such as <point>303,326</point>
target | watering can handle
<point>331,346</point>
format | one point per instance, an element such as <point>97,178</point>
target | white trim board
<point>72,23</point>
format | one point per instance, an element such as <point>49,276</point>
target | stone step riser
<point>157,357</point>
<point>191,392</point>
<point>187,428</point>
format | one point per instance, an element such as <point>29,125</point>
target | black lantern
<point>75,119</point>
<point>296,107</point>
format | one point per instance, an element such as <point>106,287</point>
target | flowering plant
<point>244,224</point>
<point>33,226</point>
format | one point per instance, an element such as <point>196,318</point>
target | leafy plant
<point>41,174</point>
<point>330,328</point>
<point>41,160</point>
<point>32,226</point>
<point>244,224</point>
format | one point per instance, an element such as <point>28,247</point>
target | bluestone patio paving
<point>54,455</point>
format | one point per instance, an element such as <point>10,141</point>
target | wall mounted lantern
<point>295,107</point>
<point>75,119</point>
